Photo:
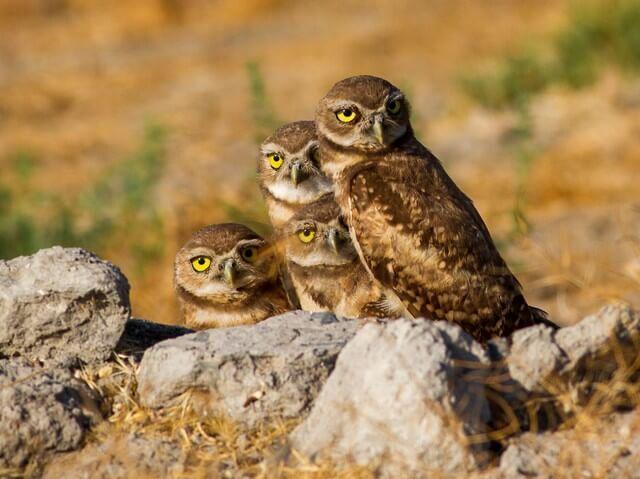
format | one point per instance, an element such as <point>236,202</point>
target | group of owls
<point>367,224</point>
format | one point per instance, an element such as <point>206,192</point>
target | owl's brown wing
<point>421,236</point>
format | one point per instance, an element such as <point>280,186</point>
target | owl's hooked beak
<point>333,240</point>
<point>378,129</point>
<point>230,272</point>
<point>297,173</point>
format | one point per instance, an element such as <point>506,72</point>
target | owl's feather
<point>347,291</point>
<point>421,236</point>
<point>295,143</point>
<point>207,299</point>
<point>326,272</point>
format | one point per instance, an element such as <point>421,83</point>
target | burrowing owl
<point>415,230</point>
<point>227,275</point>
<point>288,173</point>
<point>324,266</point>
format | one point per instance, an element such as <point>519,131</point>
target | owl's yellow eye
<point>346,115</point>
<point>201,263</point>
<point>275,160</point>
<point>307,235</point>
<point>394,106</point>
<point>250,254</point>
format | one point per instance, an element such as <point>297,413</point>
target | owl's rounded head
<point>288,166</point>
<point>318,236</point>
<point>224,263</point>
<point>363,113</point>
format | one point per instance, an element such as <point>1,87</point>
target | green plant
<point>121,205</point>
<point>265,120</point>
<point>21,206</point>
<point>118,208</point>
<point>524,156</point>
<point>597,34</point>
<point>577,62</point>
<point>253,212</point>
<point>626,35</point>
<point>514,80</point>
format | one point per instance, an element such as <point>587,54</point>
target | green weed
<point>598,34</point>
<point>253,212</point>
<point>264,118</point>
<point>524,156</point>
<point>513,82</point>
<point>117,209</point>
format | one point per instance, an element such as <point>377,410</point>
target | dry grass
<point>11,473</point>
<point>209,444</point>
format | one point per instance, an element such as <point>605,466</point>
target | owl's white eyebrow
<point>344,104</point>
<point>397,95</point>
<point>200,252</point>
<point>303,225</point>
<point>252,242</point>
<point>272,148</point>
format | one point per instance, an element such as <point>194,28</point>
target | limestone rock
<point>61,306</point>
<point>405,395</point>
<point>534,358</point>
<point>546,361</point>
<point>41,413</point>
<point>604,448</point>
<point>248,373</point>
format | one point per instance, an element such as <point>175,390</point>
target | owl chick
<point>417,233</point>
<point>288,172</point>
<point>227,275</point>
<point>324,266</point>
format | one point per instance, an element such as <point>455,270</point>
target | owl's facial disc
<point>361,113</point>
<point>249,264</point>
<point>370,129</point>
<point>295,177</point>
<point>317,244</point>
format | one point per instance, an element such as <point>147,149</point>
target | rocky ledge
<point>401,398</point>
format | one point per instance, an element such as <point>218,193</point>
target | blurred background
<point>125,126</point>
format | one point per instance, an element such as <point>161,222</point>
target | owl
<point>288,171</point>
<point>324,266</point>
<point>227,275</point>
<point>416,232</point>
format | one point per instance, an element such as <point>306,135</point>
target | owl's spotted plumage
<point>227,275</point>
<point>415,230</point>
<point>324,266</point>
<point>288,172</point>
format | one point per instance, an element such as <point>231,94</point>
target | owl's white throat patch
<point>213,289</point>
<point>309,190</point>
<point>320,258</point>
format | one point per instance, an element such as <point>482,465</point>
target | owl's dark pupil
<point>307,232</point>
<point>201,261</point>
<point>248,253</point>
<point>276,157</point>
<point>347,112</point>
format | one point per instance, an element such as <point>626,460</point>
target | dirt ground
<point>79,80</point>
